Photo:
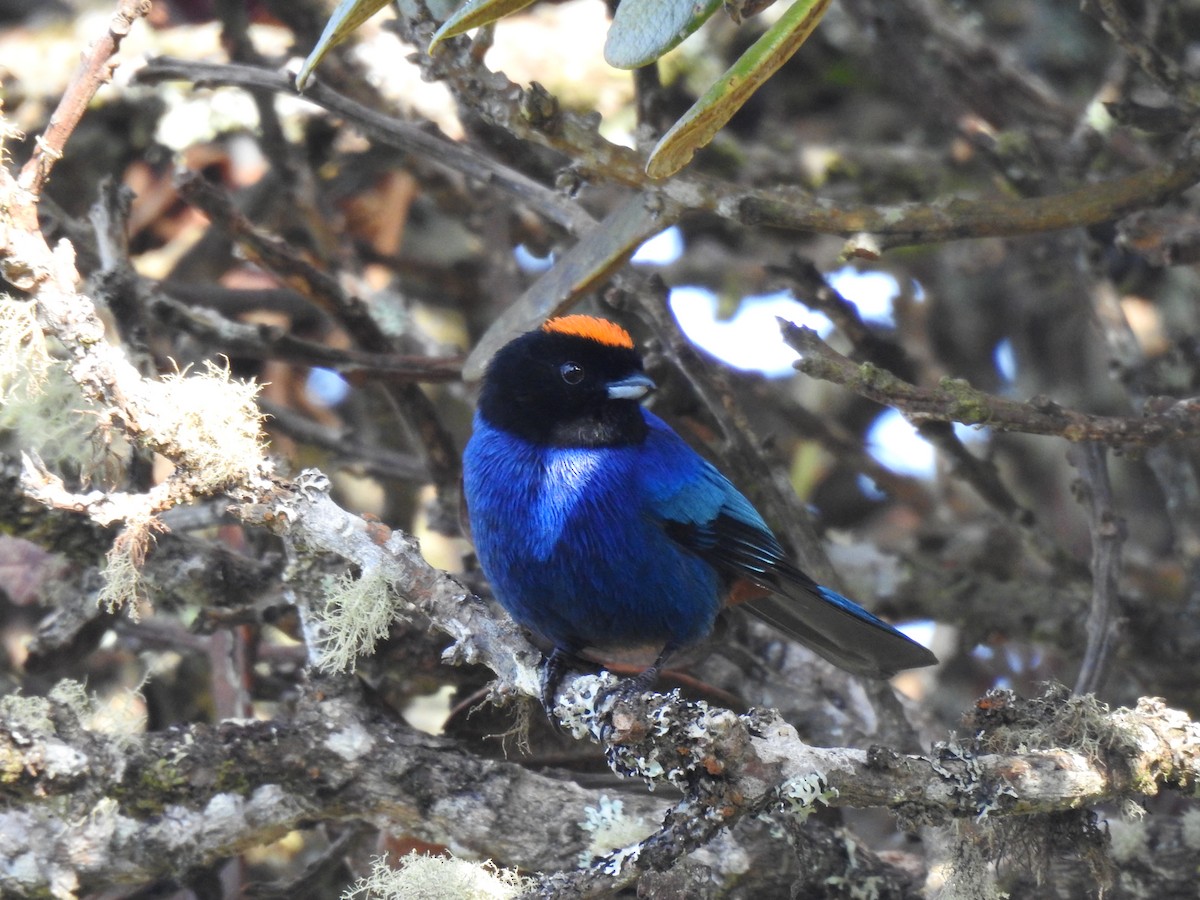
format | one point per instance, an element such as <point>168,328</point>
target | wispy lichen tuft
<point>56,422</point>
<point>42,410</point>
<point>24,357</point>
<point>436,878</point>
<point>123,569</point>
<point>358,613</point>
<point>208,422</point>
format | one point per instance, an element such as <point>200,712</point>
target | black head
<point>575,382</point>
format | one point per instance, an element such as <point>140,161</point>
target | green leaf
<point>347,17</point>
<point>643,30</point>
<point>708,115</point>
<point>473,14</point>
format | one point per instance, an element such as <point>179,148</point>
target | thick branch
<point>155,805</point>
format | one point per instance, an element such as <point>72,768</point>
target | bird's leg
<point>645,679</point>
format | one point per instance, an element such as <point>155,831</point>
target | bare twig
<point>387,130</point>
<point>956,401</point>
<point>1108,534</point>
<point>780,207</point>
<point>376,460</point>
<point>1166,72</point>
<point>269,342</point>
<point>815,291</point>
<point>1172,464</point>
<point>95,69</point>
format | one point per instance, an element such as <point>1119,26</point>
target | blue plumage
<point>573,543</point>
<point>600,529</point>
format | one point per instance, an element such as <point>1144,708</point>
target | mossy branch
<point>954,400</point>
<point>260,779</point>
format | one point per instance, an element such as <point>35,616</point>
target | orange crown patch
<point>600,330</point>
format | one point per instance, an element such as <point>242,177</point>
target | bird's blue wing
<point>704,513</point>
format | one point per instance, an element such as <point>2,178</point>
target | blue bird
<point>602,532</point>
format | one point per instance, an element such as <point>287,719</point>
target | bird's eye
<point>572,373</point>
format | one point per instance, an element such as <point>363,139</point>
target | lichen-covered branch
<point>953,400</point>
<point>1050,754</point>
<point>154,805</point>
<point>150,804</point>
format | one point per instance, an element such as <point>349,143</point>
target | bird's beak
<point>635,387</point>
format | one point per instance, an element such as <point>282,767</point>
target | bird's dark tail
<point>838,629</point>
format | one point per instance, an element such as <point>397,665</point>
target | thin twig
<point>785,206</point>
<point>270,342</point>
<point>953,400</point>
<point>1108,534</point>
<point>812,289</point>
<point>1163,70</point>
<point>376,460</point>
<point>95,69</point>
<point>379,127</point>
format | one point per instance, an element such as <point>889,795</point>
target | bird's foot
<point>555,668</point>
<point>628,688</point>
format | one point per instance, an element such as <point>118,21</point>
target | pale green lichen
<point>45,413</point>
<point>610,829</point>
<point>33,713</point>
<point>42,409</point>
<point>123,566</point>
<point>208,422</point>
<point>24,355</point>
<point>799,795</point>
<point>29,716</point>
<point>436,878</point>
<point>358,614</point>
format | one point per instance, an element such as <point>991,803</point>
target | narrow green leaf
<point>643,30</point>
<point>708,115</point>
<point>347,17</point>
<point>473,14</point>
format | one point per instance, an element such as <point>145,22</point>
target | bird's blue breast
<point>572,538</point>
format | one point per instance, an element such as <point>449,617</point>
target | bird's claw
<point>624,690</point>
<point>554,669</point>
